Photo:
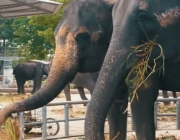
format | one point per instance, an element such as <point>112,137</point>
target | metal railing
<point>66,119</point>
<point>8,81</point>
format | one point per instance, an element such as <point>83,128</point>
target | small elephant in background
<point>31,70</point>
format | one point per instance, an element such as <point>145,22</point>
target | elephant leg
<point>117,120</point>
<point>21,84</point>
<point>18,86</point>
<point>165,95</point>
<point>37,83</point>
<point>90,86</point>
<point>82,94</point>
<point>174,95</point>
<point>67,93</point>
<point>143,110</point>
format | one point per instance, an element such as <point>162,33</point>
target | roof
<point>20,8</point>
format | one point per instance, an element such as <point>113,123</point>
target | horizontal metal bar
<point>68,102</point>
<point>173,114</point>
<point>86,101</point>
<point>32,123</point>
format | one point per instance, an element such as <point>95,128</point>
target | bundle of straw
<point>140,72</point>
<point>12,129</point>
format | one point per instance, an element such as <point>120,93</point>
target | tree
<point>36,33</point>
<point>49,22</point>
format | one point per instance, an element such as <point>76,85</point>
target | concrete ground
<point>77,127</point>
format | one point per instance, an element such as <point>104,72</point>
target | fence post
<point>178,114</point>
<point>66,116</point>
<point>21,121</point>
<point>155,114</point>
<point>44,131</point>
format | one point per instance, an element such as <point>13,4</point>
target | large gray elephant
<point>82,38</point>
<point>81,81</point>
<point>142,58</point>
<point>31,70</point>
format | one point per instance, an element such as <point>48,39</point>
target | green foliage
<point>49,22</point>
<point>6,29</point>
<point>36,34</point>
<point>33,35</point>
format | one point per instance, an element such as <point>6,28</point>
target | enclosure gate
<point>66,119</point>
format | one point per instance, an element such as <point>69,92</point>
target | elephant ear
<point>148,24</point>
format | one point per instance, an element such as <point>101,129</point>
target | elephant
<point>30,70</point>
<point>34,70</point>
<point>143,57</point>
<point>82,38</point>
<point>81,81</point>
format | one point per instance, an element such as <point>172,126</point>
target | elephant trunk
<point>64,68</point>
<point>113,71</point>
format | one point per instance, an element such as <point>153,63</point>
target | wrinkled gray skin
<point>82,38</point>
<point>30,70</point>
<point>81,81</point>
<point>136,22</point>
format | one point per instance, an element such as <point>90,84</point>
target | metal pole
<point>155,114</point>
<point>44,131</point>
<point>66,116</point>
<point>21,121</point>
<point>178,114</point>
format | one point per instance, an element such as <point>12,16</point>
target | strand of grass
<point>116,136</point>
<point>141,68</point>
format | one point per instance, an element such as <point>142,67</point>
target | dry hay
<point>12,129</point>
<point>16,97</point>
<point>139,71</point>
<point>11,126</point>
<point>167,136</point>
<point>171,108</point>
<point>164,109</point>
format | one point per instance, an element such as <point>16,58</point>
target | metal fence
<point>8,81</point>
<point>67,119</point>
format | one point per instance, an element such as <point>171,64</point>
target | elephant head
<point>46,69</point>
<point>82,37</point>
<point>135,23</point>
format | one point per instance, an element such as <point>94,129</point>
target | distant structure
<point>15,9</point>
<point>7,54</point>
